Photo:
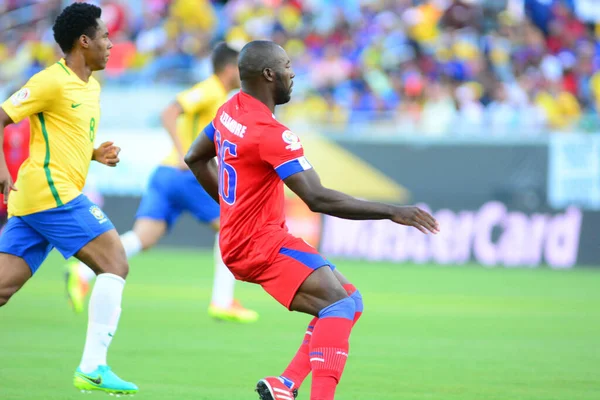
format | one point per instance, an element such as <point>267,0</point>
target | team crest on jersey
<point>20,97</point>
<point>98,214</point>
<point>292,140</point>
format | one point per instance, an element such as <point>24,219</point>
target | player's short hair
<point>75,20</point>
<point>255,57</point>
<point>222,56</point>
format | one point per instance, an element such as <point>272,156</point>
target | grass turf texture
<point>428,332</point>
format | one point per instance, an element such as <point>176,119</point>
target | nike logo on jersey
<point>97,381</point>
<point>75,105</point>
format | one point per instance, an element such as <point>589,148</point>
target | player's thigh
<point>301,279</point>
<point>149,231</point>
<point>22,251</point>
<point>77,225</point>
<point>157,203</point>
<point>341,278</point>
<point>198,202</point>
<point>105,254</point>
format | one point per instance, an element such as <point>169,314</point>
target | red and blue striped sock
<point>328,348</point>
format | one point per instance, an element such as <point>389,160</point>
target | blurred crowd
<point>428,67</point>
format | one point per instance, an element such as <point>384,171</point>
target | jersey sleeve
<point>281,148</point>
<point>210,130</point>
<point>35,97</point>
<point>196,99</point>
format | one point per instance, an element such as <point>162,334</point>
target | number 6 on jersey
<point>226,189</point>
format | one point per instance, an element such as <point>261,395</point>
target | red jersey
<point>255,154</point>
<point>16,146</point>
<point>16,149</point>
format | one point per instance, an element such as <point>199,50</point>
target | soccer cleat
<point>235,313</point>
<point>103,379</point>
<point>272,388</point>
<point>77,289</point>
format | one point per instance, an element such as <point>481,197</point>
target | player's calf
<point>14,272</point>
<point>328,350</point>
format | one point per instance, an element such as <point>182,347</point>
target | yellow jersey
<point>64,113</point>
<point>200,105</point>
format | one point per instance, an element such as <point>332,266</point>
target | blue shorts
<point>68,228</point>
<point>172,191</point>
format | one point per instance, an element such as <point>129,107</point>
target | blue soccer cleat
<point>103,379</point>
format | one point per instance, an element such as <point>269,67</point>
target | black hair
<point>222,56</point>
<point>256,56</point>
<point>75,20</point>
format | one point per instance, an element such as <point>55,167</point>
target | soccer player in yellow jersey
<point>45,205</point>
<point>173,188</point>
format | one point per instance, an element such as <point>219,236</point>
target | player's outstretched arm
<point>307,185</point>
<point>6,182</point>
<point>201,160</point>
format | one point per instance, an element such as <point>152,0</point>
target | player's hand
<point>107,154</point>
<point>414,216</point>
<point>6,183</point>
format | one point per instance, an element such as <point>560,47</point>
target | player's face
<point>284,82</point>
<point>99,48</point>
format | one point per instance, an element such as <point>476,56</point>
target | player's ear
<point>84,41</point>
<point>269,74</point>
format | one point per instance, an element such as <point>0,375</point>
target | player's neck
<point>262,96</point>
<point>76,62</point>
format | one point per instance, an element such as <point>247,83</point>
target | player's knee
<point>356,296</point>
<point>5,295</point>
<point>122,269</point>
<point>117,267</point>
<point>343,308</point>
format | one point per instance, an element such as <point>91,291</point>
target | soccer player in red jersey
<point>256,155</point>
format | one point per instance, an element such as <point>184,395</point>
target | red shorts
<point>283,276</point>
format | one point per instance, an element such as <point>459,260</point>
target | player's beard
<point>282,93</point>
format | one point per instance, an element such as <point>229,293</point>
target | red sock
<point>299,367</point>
<point>328,349</point>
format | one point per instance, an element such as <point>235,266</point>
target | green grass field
<point>428,332</point>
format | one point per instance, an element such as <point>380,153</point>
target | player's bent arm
<point>169,121</point>
<point>307,185</point>
<point>201,161</point>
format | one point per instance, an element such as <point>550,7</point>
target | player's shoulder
<point>47,82</point>
<point>271,126</point>
<point>57,72</point>
<point>94,84</point>
<point>274,132</point>
<point>49,75</point>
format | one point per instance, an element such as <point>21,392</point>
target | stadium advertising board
<point>491,235</point>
